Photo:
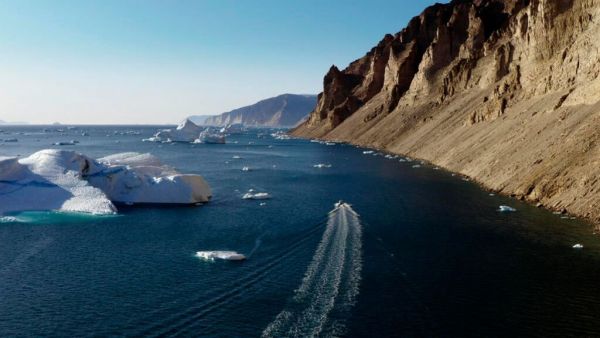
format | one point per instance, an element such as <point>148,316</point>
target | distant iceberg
<point>66,143</point>
<point>322,165</point>
<point>207,137</point>
<point>186,131</point>
<point>234,128</point>
<point>60,180</point>
<point>282,135</point>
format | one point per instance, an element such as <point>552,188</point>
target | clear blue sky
<point>143,61</point>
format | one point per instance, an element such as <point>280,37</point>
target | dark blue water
<point>438,259</point>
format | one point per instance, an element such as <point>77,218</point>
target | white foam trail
<point>330,284</point>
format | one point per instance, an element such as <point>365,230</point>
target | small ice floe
<point>322,165</point>
<point>578,246</point>
<point>329,143</point>
<point>11,140</point>
<point>246,169</point>
<point>416,166</point>
<point>251,195</point>
<point>506,208</point>
<point>368,152</point>
<point>236,157</point>
<point>66,143</point>
<point>281,135</point>
<point>256,196</point>
<point>223,255</point>
<point>492,194</point>
<point>262,204</point>
<point>466,179</point>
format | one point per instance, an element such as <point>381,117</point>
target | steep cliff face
<point>286,110</point>
<point>504,91</point>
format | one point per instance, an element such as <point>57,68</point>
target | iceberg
<point>207,137</point>
<point>251,195</point>
<point>235,128</point>
<point>224,255</point>
<point>61,180</point>
<point>322,165</point>
<point>282,135</point>
<point>186,131</point>
<point>578,246</point>
<point>506,208</point>
<point>66,143</point>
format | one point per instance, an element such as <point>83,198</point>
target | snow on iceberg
<point>68,181</point>
<point>50,180</point>
<point>224,255</point>
<point>186,131</point>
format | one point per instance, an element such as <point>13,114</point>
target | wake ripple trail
<point>330,284</point>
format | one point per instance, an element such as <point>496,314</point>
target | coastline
<point>595,222</point>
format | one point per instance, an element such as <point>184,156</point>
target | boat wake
<point>330,284</point>
<point>181,321</point>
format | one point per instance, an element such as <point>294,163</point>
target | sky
<point>153,62</point>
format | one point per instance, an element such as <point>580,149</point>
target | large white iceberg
<point>68,181</point>
<point>186,131</point>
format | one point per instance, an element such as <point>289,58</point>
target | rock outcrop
<point>287,110</point>
<point>504,91</point>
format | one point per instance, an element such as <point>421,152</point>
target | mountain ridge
<point>285,110</point>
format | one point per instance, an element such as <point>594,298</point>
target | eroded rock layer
<point>504,91</point>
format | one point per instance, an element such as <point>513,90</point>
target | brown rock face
<point>504,91</point>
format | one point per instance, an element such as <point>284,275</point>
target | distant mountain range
<point>9,123</point>
<point>287,110</point>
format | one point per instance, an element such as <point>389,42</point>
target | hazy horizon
<point>156,62</point>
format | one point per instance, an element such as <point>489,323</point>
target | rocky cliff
<point>504,91</point>
<point>287,110</point>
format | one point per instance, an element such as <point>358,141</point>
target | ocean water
<point>426,254</point>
